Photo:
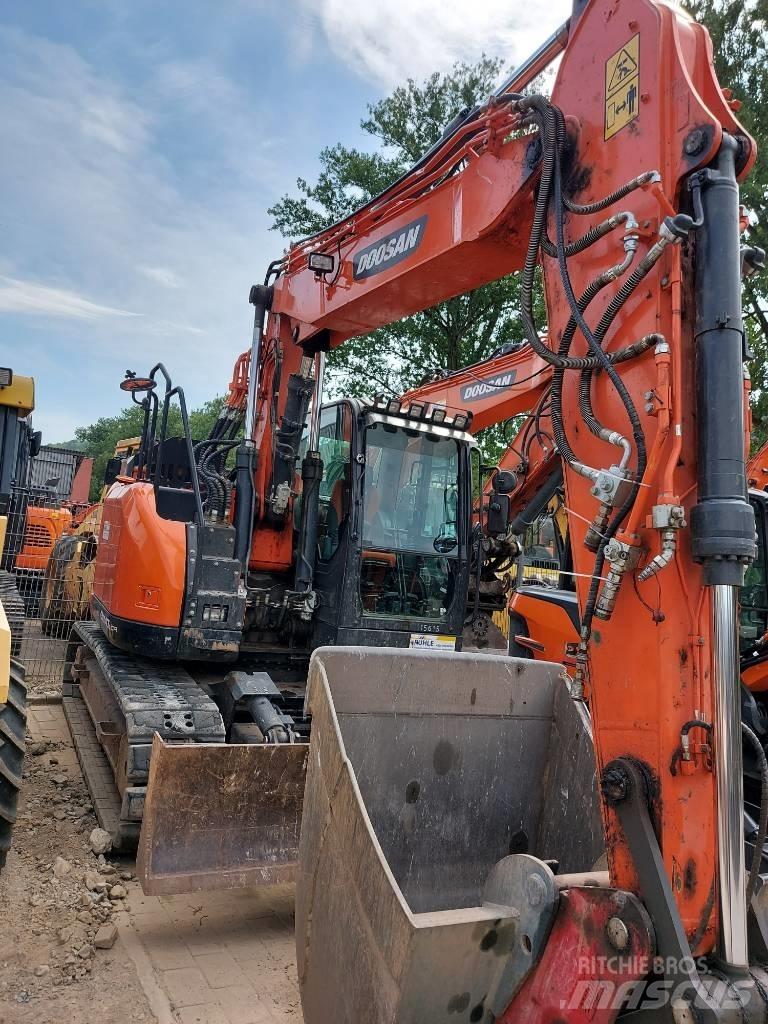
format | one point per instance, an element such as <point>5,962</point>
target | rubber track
<point>154,696</point>
<point>13,727</point>
<point>98,776</point>
<point>13,606</point>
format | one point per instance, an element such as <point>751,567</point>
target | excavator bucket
<point>437,783</point>
<point>221,816</point>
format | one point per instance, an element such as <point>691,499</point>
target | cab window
<point>335,444</point>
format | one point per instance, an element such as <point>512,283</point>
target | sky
<point>142,146</point>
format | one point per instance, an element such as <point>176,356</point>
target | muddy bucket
<point>431,776</point>
<point>221,816</point>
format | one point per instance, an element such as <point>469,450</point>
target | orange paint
<point>141,563</point>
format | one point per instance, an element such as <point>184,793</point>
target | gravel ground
<point>59,907</point>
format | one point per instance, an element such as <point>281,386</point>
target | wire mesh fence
<point>49,551</point>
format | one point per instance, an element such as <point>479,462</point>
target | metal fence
<point>49,549</point>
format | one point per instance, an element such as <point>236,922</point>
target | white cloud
<point>163,275</point>
<point>110,250</point>
<point>390,40</point>
<point>42,300</point>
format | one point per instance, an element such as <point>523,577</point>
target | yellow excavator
<point>17,400</point>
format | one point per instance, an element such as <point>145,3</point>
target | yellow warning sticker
<point>622,87</point>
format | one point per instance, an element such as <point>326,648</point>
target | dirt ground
<point>80,943</point>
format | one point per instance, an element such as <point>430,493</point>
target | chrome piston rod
<point>729,778</point>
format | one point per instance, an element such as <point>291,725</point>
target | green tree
<point>740,41</point>
<point>99,439</point>
<point>453,334</point>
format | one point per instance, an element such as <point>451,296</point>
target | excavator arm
<point>624,189</point>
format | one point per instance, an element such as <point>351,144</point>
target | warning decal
<point>622,87</point>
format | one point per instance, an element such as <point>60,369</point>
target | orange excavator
<point>385,550</point>
<point>443,873</point>
<point>438,878</point>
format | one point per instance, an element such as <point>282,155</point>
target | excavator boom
<point>624,188</point>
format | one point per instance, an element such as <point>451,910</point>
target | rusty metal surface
<point>425,770</point>
<point>581,977</point>
<point>221,816</point>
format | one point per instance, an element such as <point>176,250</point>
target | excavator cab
<point>393,538</point>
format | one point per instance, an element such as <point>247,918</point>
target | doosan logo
<point>386,252</point>
<point>489,386</point>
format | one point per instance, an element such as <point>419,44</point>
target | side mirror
<point>135,385</point>
<point>36,443</point>
<point>112,470</point>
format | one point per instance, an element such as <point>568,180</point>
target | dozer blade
<point>221,816</point>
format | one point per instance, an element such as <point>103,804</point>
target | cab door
<point>335,510</point>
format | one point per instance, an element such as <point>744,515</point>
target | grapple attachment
<point>221,816</point>
<point>437,785</point>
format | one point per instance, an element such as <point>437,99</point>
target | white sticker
<point>105,530</point>
<point>432,642</point>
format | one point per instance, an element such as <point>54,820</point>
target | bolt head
<point>617,934</point>
<point>614,785</point>
<point>695,142</point>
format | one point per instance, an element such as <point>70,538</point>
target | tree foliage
<point>99,440</point>
<point>453,334</point>
<point>739,34</point>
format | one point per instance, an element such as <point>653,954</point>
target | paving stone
<point>187,987</point>
<point>220,969</point>
<point>202,1015</point>
<point>243,1005</point>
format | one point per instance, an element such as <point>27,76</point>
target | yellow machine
<point>5,633</point>
<point>17,400</point>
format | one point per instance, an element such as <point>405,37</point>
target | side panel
<point>42,528</point>
<point>548,623</point>
<point>141,562</point>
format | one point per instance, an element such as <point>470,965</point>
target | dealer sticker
<point>432,642</point>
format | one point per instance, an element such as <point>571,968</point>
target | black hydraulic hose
<point>637,428</point>
<point>614,197</point>
<point>595,345</point>
<point>643,268</point>
<point>762,827</point>
<point>622,355</point>
<point>544,117</point>
<point>580,244</point>
<point>528,515</point>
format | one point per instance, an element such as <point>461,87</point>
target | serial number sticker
<point>432,642</point>
<point>622,87</point>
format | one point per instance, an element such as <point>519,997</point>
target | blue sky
<point>142,146</point>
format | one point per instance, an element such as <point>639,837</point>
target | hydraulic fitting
<point>621,557</point>
<point>668,519</point>
<point>597,527</point>
<point>612,485</point>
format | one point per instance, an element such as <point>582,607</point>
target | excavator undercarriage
<point>139,725</point>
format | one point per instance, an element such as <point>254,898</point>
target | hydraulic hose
<point>762,827</point>
<point>602,204</point>
<point>594,344</point>
<point>593,235</point>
